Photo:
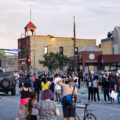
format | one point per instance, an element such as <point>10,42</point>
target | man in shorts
<point>68,90</point>
<point>57,88</point>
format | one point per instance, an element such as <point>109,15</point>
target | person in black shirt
<point>105,86</point>
<point>90,89</point>
<point>37,86</point>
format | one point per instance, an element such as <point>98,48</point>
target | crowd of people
<point>41,92</point>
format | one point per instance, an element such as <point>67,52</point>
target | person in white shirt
<point>57,88</point>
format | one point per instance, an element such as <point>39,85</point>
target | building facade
<point>9,63</point>
<point>35,46</point>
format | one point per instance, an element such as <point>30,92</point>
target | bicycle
<point>86,114</point>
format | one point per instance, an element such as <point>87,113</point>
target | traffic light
<point>29,61</point>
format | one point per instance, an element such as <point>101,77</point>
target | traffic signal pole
<point>27,56</point>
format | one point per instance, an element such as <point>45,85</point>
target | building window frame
<point>45,49</point>
<point>61,50</point>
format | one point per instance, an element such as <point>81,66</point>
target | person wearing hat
<point>47,109</point>
<point>69,92</point>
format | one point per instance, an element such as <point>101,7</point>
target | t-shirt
<point>47,110</point>
<point>57,87</point>
<point>112,83</point>
<point>95,84</point>
<point>44,86</point>
<point>76,80</point>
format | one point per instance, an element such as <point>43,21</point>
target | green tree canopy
<point>2,53</point>
<point>54,61</point>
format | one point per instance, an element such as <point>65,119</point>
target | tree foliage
<point>2,53</point>
<point>54,60</point>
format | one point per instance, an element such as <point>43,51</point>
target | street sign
<point>15,50</point>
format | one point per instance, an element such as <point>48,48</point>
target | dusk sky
<point>94,18</point>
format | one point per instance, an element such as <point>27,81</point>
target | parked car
<point>7,83</point>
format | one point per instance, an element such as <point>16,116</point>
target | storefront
<point>90,59</point>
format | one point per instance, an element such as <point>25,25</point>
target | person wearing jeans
<point>105,86</point>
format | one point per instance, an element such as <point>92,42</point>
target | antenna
<point>30,11</point>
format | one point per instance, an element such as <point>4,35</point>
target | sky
<point>94,18</point>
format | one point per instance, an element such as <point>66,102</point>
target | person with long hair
<point>32,106</point>
<point>44,84</point>
<point>25,92</point>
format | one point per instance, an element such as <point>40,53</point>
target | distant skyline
<point>94,18</point>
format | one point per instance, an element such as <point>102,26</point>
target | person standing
<point>118,89</point>
<point>44,84</point>
<point>112,87</point>
<point>57,88</point>
<point>96,88</point>
<point>25,96</point>
<point>32,106</point>
<point>47,109</point>
<point>90,89</point>
<point>37,86</point>
<point>105,87</point>
<point>69,92</point>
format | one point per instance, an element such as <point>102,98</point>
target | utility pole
<point>74,43</point>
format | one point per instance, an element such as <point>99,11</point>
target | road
<point>9,107</point>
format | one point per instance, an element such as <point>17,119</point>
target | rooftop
<point>30,25</point>
<point>90,48</point>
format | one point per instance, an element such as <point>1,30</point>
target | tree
<point>2,53</point>
<point>54,60</point>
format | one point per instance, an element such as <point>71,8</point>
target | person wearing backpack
<point>69,98</point>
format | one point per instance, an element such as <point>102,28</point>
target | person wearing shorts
<point>25,92</point>
<point>68,90</point>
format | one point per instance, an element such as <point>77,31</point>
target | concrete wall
<point>39,42</point>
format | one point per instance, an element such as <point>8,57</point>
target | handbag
<point>113,95</point>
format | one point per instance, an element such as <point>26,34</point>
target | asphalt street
<point>9,107</point>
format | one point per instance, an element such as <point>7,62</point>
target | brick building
<point>38,45</point>
<point>90,59</point>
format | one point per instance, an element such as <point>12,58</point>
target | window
<point>45,50</point>
<point>61,50</point>
<point>76,50</point>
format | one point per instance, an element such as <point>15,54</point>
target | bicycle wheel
<point>79,114</point>
<point>90,116</point>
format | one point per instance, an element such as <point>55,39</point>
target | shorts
<point>24,101</point>
<point>69,111</point>
<point>58,91</point>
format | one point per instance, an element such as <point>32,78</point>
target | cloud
<point>103,6</point>
<point>94,18</point>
